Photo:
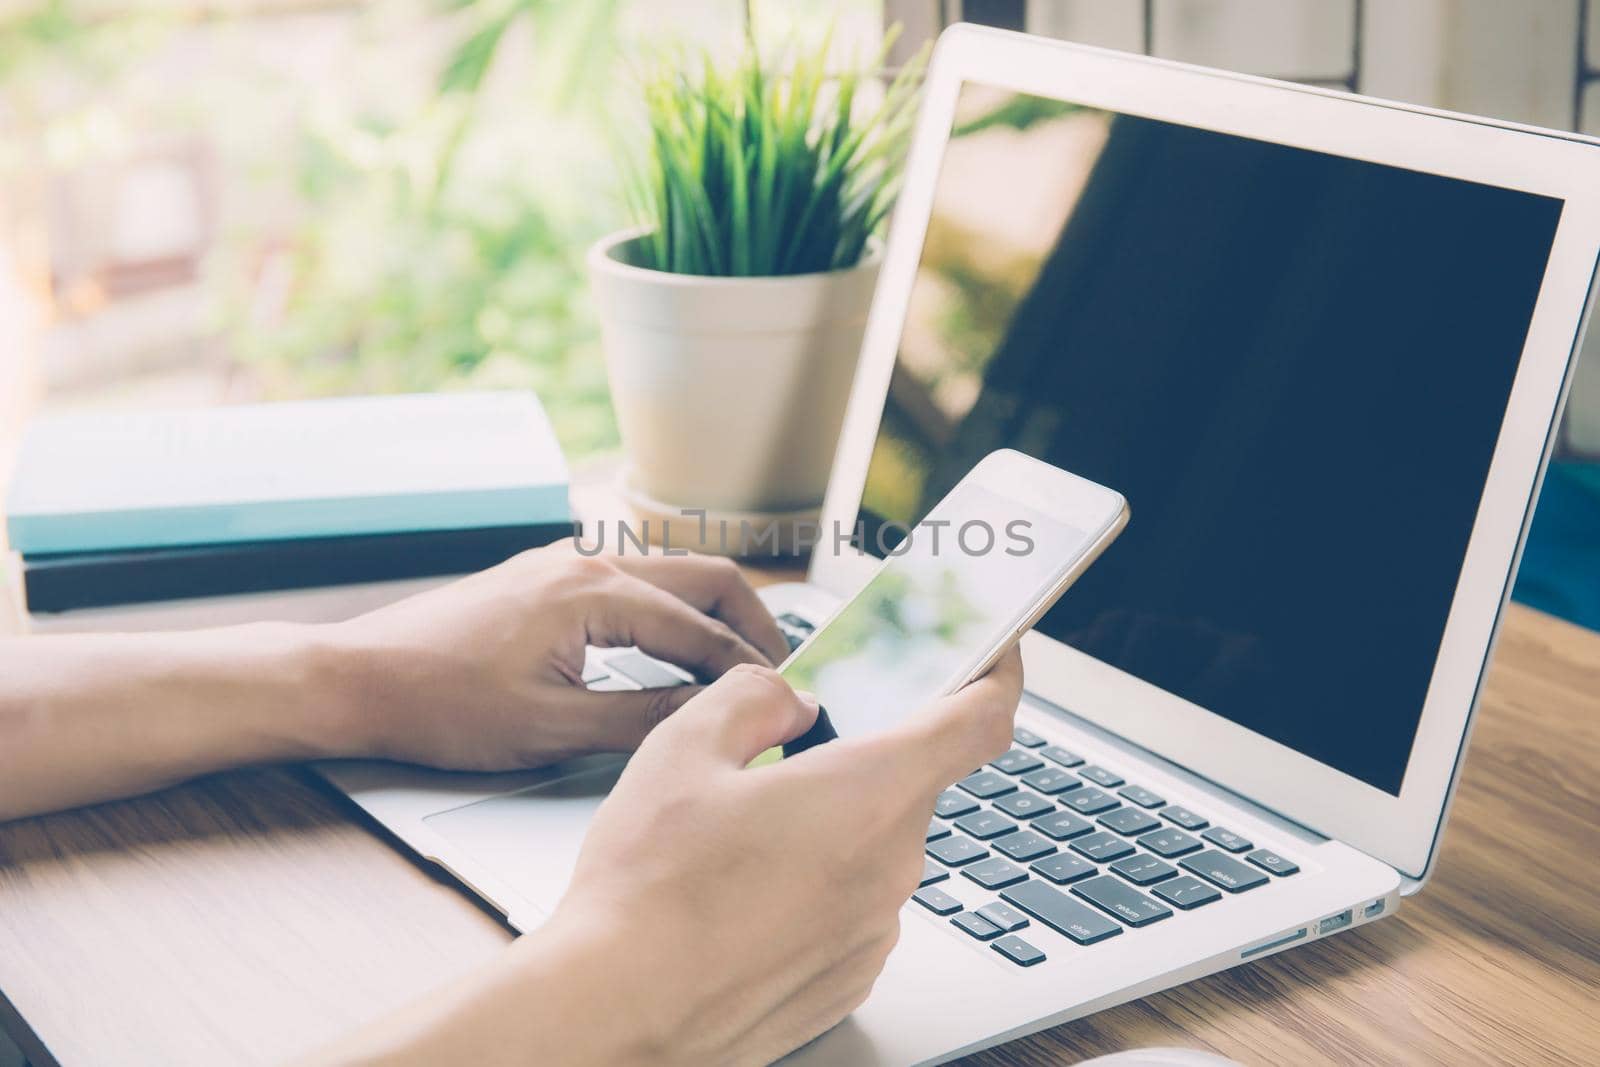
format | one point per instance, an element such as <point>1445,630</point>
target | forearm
<point>89,717</point>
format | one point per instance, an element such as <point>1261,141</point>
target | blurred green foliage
<point>54,32</point>
<point>413,240</point>
<point>484,290</point>
<point>413,271</point>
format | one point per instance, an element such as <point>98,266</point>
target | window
<point>211,201</point>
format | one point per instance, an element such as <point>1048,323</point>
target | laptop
<point>1321,343</point>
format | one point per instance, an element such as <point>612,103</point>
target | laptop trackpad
<point>530,839</point>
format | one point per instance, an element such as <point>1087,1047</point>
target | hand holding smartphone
<point>962,587</point>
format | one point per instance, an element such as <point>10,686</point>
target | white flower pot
<point>729,392</point>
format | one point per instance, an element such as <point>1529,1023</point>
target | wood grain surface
<point>249,916</point>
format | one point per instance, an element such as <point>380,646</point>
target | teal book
<point>263,472</point>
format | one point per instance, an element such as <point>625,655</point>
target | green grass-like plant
<point>753,170</point>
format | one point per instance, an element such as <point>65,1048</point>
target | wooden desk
<point>253,915</point>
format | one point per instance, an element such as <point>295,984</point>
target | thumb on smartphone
<point>747,711</point>
<point>945,741</point>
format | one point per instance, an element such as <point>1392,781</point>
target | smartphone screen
<point>935,610</point>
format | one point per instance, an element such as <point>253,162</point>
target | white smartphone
<point>959,589</point>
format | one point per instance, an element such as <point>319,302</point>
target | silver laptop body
<point>1281,826</point>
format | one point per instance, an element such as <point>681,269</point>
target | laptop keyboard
<point>1071,851</point>
<point>627,668</point>
<point>1075,851</point>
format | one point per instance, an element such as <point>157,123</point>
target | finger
<point>747,711</point>
<point>717,587</point>
<point>619,720</point>
<point>968,728</point>
<point>934,746</point>
<point>629,611</point>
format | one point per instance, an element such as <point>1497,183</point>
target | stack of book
<point>309,511</point>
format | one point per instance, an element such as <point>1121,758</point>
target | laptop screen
<point>1294,365</point>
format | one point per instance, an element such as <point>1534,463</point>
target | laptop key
<point>985,824</point>
<point>1051,781</point>
<point>1024,846</point>
<point>1017,951</point>
<point>1223,871</point>
<point>972,923</point>
<point>1004,916</point>
<point>1141,796</point>
<point>1024,805</point>
<point>1170,843</point>
<point>644,670</point>
<point>950,804</point>
<point>1064,756</point>
<point>1131,906</point>
<point>1101,847</point>
<point>1227,839</point>
<point>995,873</point>
<point>936,830</point>
<point>1027,738</point>
<point>1101,776</point>
<point>1273,863</point>
<point>986,784</point>
<point>1128,821</point>
<point>1060,912</point>
<point>954,851</point>
<point>1091,801</point>
<point>1186,892</point>
<point>1017,761</point>
<point>931,873</point>
<point>1183,818</point>
<point>937,900</point>
<point>1144,870</point>
<point>1062,826</point>
<point>1063,868</point>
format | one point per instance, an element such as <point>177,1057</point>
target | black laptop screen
<point>1294,365</point>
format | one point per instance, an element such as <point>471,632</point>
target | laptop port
<point>1276,942</point>
<point>1373,910</point>
<point>1335,922</point>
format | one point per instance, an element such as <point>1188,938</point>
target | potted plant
<point>732,314</point>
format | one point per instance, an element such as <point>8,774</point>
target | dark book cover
<point>68,581</point>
